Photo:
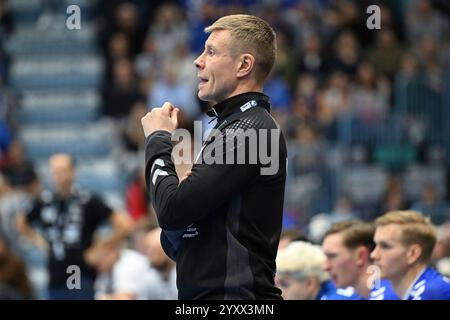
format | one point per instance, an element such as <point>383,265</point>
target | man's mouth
<point>202,80</point>
<point>334,278</point>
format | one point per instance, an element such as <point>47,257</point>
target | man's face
<point>340,261</point>
<point>153,249</point>
<point>217,68</point>
<point>390,255</point>
<point>62,172</point>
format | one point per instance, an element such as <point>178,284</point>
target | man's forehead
<point>388,232</point>
<point>218,38</point>
<point>333,242</point>
<point>335,238</point>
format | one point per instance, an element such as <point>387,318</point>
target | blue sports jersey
<point>383,291</point>
<point>328,291</point>
<point>430,285</point>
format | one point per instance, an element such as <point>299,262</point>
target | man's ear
<point>362,256</point>
<point>413,254</point>
<point>245,65</point>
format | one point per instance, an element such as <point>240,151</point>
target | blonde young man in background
<point>404,244</point>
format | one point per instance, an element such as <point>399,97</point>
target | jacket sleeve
<point>211,185</point>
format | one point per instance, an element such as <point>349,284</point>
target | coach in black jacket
<point>222,223</point>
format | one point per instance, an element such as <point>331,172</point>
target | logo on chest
<point>190,233</point>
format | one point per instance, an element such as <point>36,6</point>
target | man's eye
<point>210,52</point>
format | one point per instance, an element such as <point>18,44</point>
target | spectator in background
<point>343,210</point>
<point>278,90</point>
<point>431,63</point>
<point>68,219</point>
<point>49,14</point>
<point>120,95</point>
<point>129,17</point>
<point>386,54</point>
<point>442,248</point>
<point>137,201</point>
<point>305,18</point>
<point>290,235</point>
<point>127,21</point>
<point>14,284</point>
<point>408,73</point>
<point>201,14</point>
<point>170,85</point>
<point>182,59</point>
<point>346,57</point>
<point>137,237</point>
<point>169,29</point>
<point>342,15</point>
<point>394,197</point>
<point>286,63</point>
<point>404,245</point>
<point>161,278</point>
<point>132,134</point>
<point>441,253</point>
<point>347,246</point>
<point>311,59</point>
<point>6,21</point>
<point>432,206</point>
<point>301,277</point>
<point>146,61</point>
<point>121,273</point>
<point>6,28</point>
<point>423,20</point>
<point>308,149</point>
<point>118,49</point>
<point>370,96</point>
<point>333,103</point>
<point>8,101</point>
<point>19,171</point>
<point>13,201</point>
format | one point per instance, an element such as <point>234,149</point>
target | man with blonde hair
<point>301,277</point>
<point>222,222</point>
<point>404,245</point>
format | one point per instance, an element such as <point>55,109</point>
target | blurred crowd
<point>342,93</point>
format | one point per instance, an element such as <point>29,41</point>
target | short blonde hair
<point>302,259</point>
<point>416,229</point>
<point>253,35</point>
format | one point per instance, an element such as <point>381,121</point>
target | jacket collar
<point>229,106</point>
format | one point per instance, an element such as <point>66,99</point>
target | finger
<point>146,115</point>
<point>167,108</point>
<point>186,175</point>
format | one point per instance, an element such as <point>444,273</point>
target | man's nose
<point>374,254</point>
<point>198,62</point>
<point>326,265</point>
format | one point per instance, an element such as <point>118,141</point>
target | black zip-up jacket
<point>222,225</point>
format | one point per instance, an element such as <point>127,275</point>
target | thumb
<point>174,116</point>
